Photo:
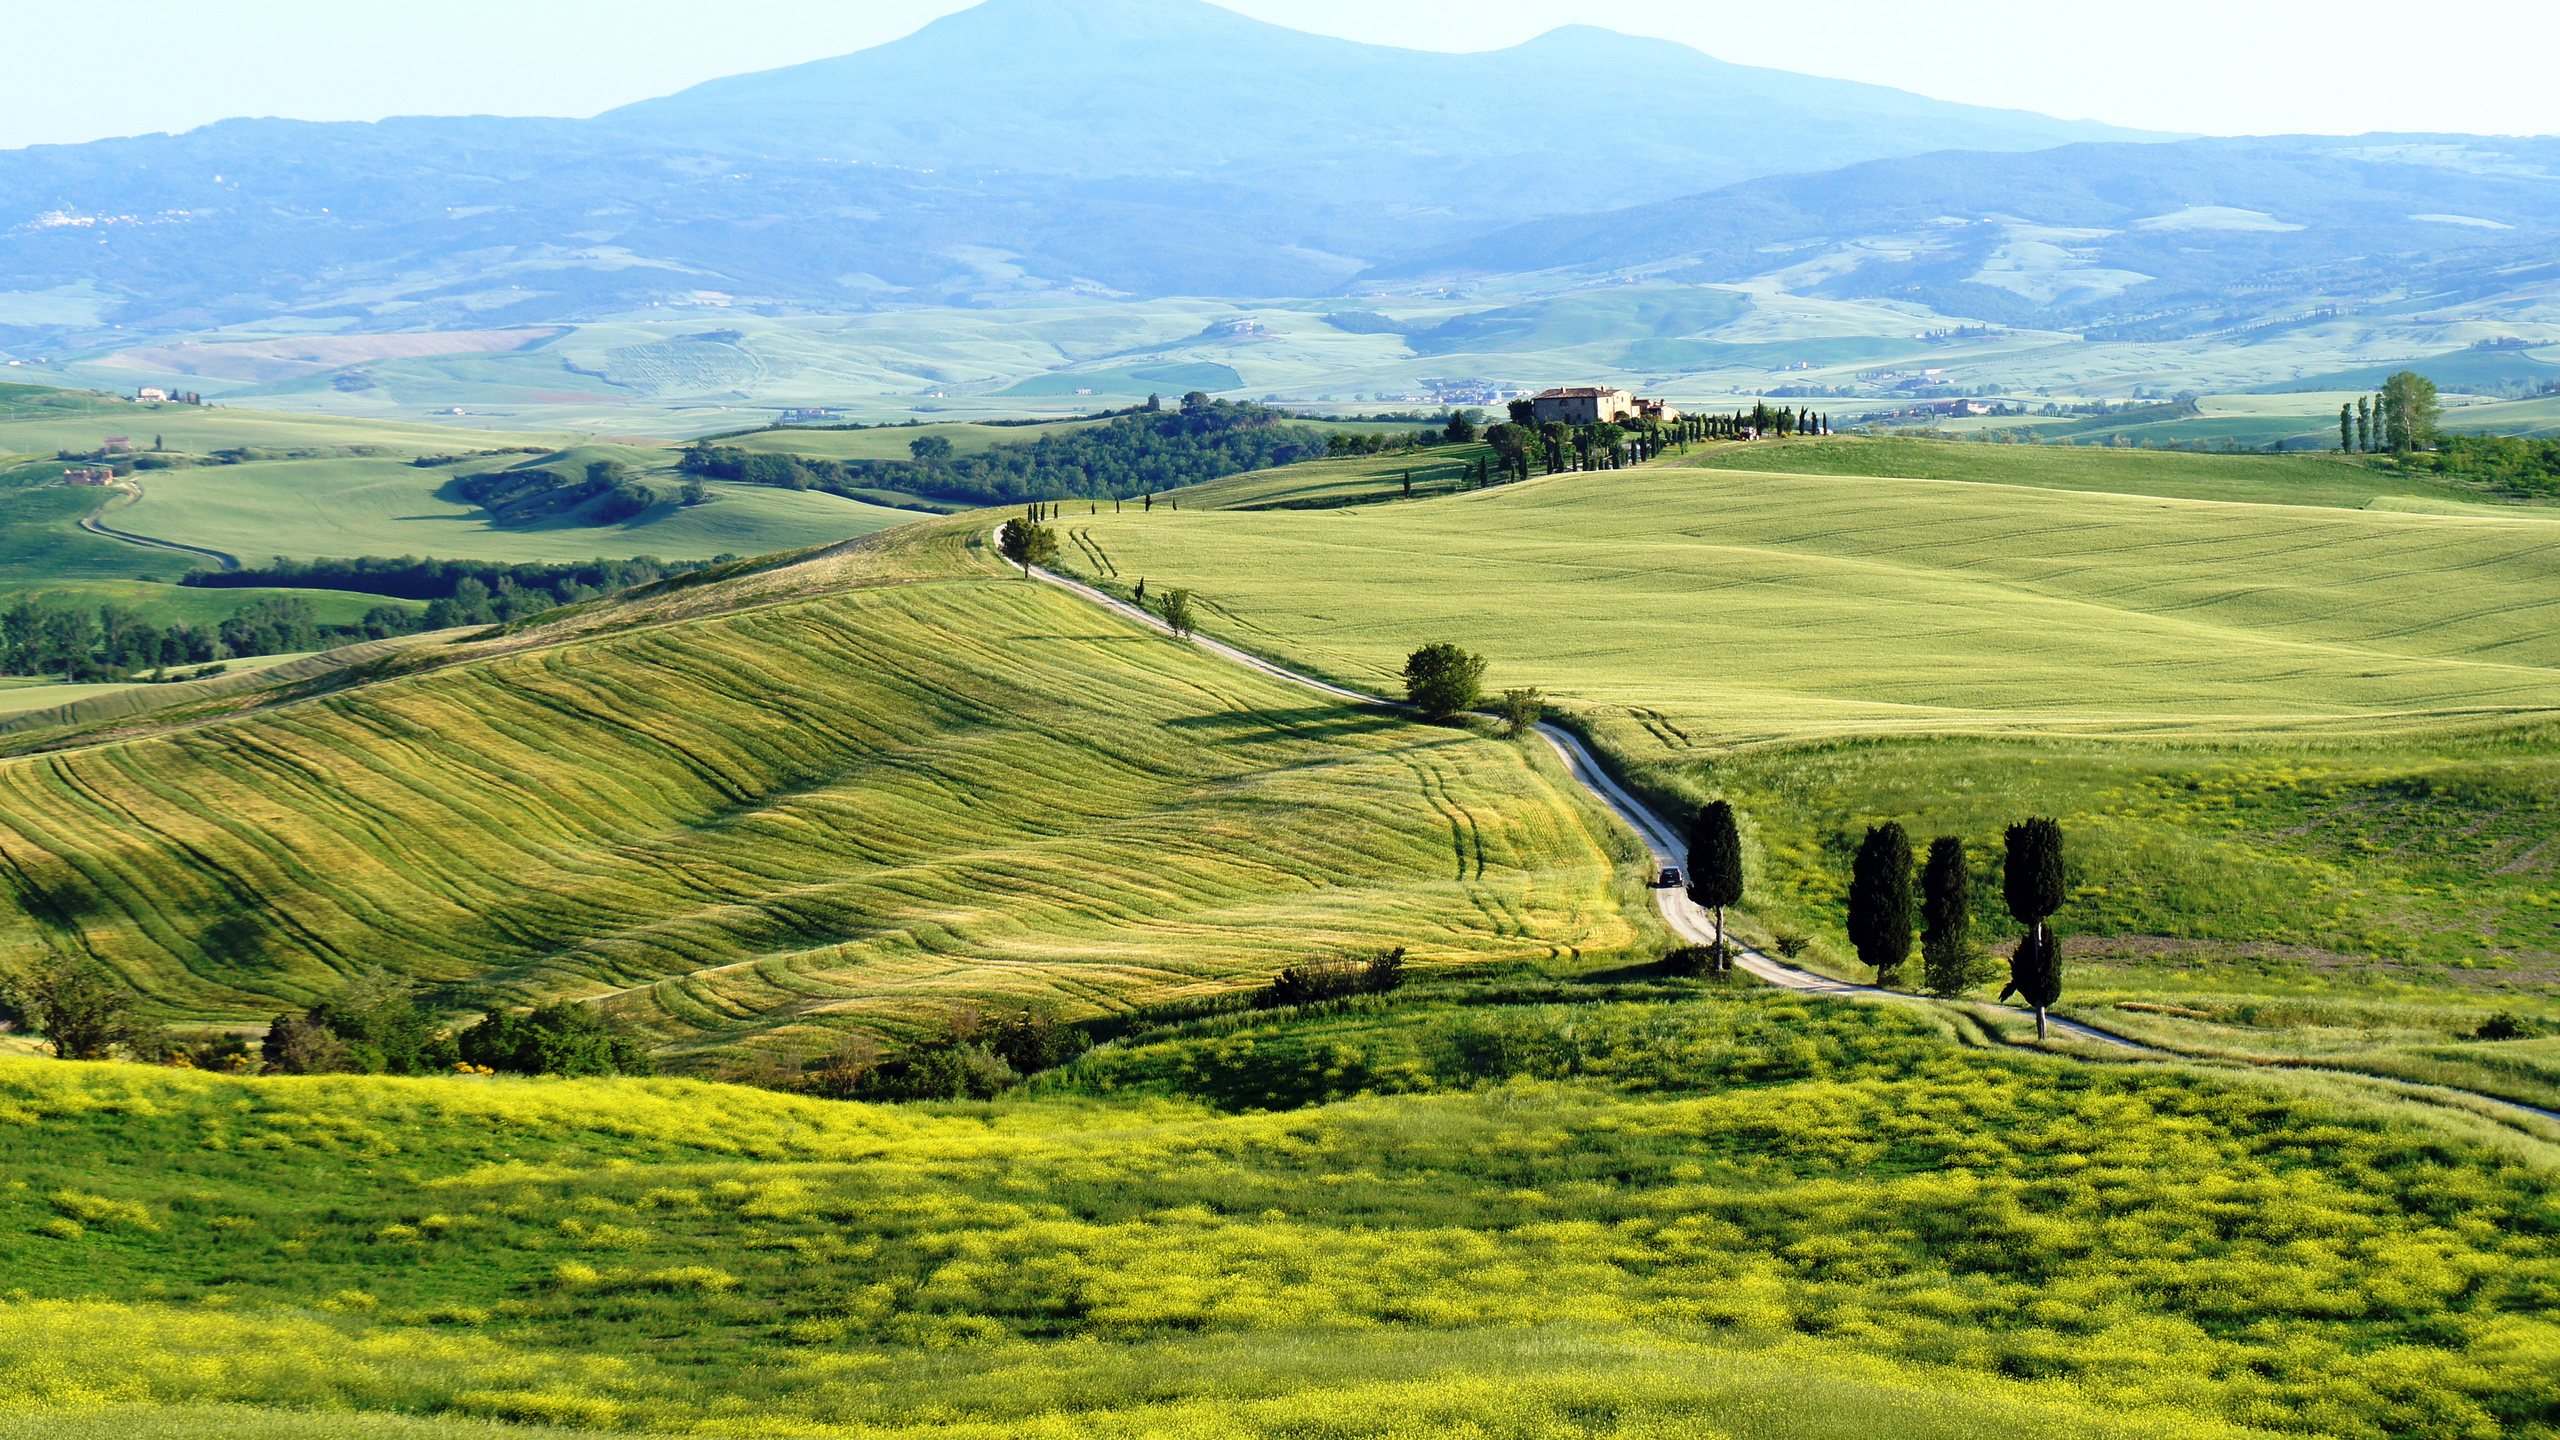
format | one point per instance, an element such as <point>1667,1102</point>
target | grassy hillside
<point>1361,480</point>
<point>46,556</point>
<point>305,508</point>
<point>2296,748</point>
<point>861,806</point>
<point>202,430</point>
<point>1561,1211</point>
<point>1754,607</point>
<point>2345,481</point>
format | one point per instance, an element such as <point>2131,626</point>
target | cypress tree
<point>2346,442</point>
<point>1715,867</point>
<point>2031,881</point>
<point>1880,900</point>
<point>1946,919</point>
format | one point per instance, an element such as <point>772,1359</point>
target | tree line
<point>607,492</point>
<point>409,578</point>
<point>2524,468</point>
<point>2400,420</point>
<point>377,1024</point>
<point>116,643</point>
<point>1893,901</point>
<point>1139,453</point>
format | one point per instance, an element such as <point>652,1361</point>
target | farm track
<point>1684,918</point>
<point>95,526</point>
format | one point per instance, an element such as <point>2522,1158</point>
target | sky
<point>2227,67</point>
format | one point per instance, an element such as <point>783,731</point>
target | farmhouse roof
<point>1576,392</point>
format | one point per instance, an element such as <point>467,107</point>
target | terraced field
<point>864,805</point>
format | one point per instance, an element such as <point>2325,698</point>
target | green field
<point>46,557</point>
<point>814,812</point>
<point>205,429</point>
<point>305,508</point>
<point>2343,481</point>
<point>2300,750</point>
<point>1324,484</point>
<point>1750,607</point>
<point>1554,1209</point>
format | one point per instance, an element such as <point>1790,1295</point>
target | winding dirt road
<point>1684,918</point>
<point>95,526</point>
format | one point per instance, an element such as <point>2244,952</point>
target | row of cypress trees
<point>1884,908</point>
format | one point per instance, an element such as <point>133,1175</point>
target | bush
<point>1321,980</point>
<point>79,1008</point>
<point>373,1027</point>
<point>556,1039</point>
<point>1699,959</point>
<point>1442,680</point>
<point>2503,1026</point>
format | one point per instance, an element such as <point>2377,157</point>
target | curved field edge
<point>789,796</point>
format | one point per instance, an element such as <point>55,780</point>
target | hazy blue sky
<point>2217,66</point>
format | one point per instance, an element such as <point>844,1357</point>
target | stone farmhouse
<point>1594,404</point>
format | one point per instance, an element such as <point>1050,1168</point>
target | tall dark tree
<point>1880,900</point>
<point>1715,867</point>
<point>2031,881</point>
<point>2346,428</point>
<point>1947,958</point>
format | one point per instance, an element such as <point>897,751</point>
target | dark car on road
<point>1670,878</point>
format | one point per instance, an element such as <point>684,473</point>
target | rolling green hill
<point>2344,481</point>
<point>1758,606</point>
<point>305,508</point>
<point>1561,1211</point>
<point>820,809</point>
<point>2296,747</point>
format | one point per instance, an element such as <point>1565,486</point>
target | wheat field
<point>862,805</point>
<point>1679,606</point>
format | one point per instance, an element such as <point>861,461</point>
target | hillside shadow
<point>1662,969</point>
<point>1311,723</point>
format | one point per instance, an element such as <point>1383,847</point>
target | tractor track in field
<point>1686,919</point>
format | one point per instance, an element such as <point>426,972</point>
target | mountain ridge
<point>1022,149</point>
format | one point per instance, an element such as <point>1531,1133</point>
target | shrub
<point>80,1009</point>
<point>556,1039</point>
<point>373,1027</point>
<point>1441,679</point>
<point>1320,980</point>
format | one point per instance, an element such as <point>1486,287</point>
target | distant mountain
<point>2121,241</point>
<point>1026,147</point>
<point>1576,119</point>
